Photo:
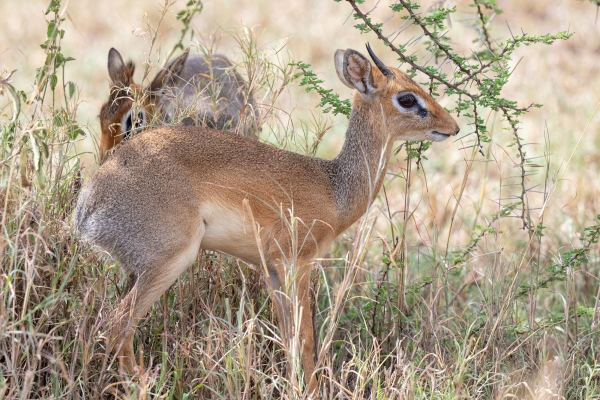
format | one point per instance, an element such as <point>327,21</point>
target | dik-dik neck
<point>357,172</point>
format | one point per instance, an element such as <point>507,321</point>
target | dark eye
<point>407,100</point>
<point>128,125</point>
<point>131,124</point>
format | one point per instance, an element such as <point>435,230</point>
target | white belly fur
<point>229,231</point>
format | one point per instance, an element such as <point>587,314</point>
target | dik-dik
<point>189,90</point>
<point>171,191</point>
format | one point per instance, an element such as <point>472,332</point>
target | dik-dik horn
<point>169,192</point>
<point>189,90</point>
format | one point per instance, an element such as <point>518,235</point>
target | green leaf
<point>51,32</point>
<point>53,7</point>
<point>71,87</point>
<point>44,148</point>
<point>40,178</point>
<point>329,102</point>
<point>58,60</point>
<point>74,132</point>
<point>53,81</point>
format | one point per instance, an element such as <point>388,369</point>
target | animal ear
<point>171,73</point>
<point>354,70</point>
<point>338,58</point>
<point>115,65</point>
<point>177,66</point>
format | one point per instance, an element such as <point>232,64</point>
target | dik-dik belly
<point>229,231</point>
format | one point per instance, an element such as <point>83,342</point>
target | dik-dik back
<point>189,90</point>
<point>209,92</point>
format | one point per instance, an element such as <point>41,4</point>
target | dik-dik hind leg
<point>150,285</point>
<point>285,316</point>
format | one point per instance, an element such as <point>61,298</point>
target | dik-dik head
<point>189,90</point>
<point>410,113</point>
<point>130,107</point>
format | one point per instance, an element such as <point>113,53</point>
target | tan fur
<point>209,91</point>
<point>170,191</point>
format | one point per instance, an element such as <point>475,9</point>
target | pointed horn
<point>378,63</point>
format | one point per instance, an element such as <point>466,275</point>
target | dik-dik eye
<point>133,123</point>
<point>410,103</point>
<point>407,100</point>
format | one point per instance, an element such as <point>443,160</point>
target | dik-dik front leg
<point>285,299</point>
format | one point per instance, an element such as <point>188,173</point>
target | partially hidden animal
<point>189,90</point>
<point>169,192</point>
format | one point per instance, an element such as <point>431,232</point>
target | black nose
<point>457,130</point>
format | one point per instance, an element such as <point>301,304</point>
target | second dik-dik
<point>189,90</point>
<point>172,191</point>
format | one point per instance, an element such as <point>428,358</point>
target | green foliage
<point>416,151</point>
<point>28,136</point>
<point>459,257</point>
<point>397,7</point>
<point>185,15</point>
<point>330,102</point>
<point>477,84</point>
<point>192,8</point>
<point>570,260</point>
<point>367,26</point>
<point>54,58</point>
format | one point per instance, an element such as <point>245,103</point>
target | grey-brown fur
<point>215,91</point>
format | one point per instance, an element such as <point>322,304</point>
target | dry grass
<point>396,319</point>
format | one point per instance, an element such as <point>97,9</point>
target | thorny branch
<point>522,162</point>
<point>467,75</point>
<point>486,34</point>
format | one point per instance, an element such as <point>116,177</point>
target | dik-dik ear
<point>170,74</point>
<point>354,70</point>
<point>119,73</point>
<point>338,58</point>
